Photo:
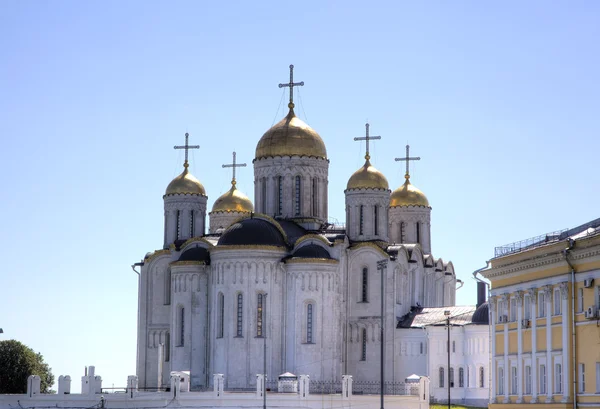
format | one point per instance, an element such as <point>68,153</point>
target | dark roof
<point>292,230</point>
<point>481,315</point>
<point>252,231</point>
<point>311,251</point>
<point>195,254</point>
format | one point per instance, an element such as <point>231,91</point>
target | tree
<point>17,362</point>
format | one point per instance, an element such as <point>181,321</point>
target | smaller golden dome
<point>233,201</point>
<point>408,195</point>
<point>185,183</point>
<point>367,177</point>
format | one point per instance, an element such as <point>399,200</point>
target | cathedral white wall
<point>222,220</point>
<point>253,272</point>
<point>267,171</point>
<point>410,216</point>
<point>368,199</point>
<point>185,205</point>
<point>317,284</point>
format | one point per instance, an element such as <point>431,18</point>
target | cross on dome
<point>187,147</point>
<point>234,165</point>
<point>367,138</point>
<point>407,159</point>
<point>291,85</point>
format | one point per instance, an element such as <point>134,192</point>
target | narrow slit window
<point>402,232</point>
<point>361,221</point>
<point>259,316</point>
<point>280,196</point>
<point>365,285</point>
<point>451,377</point>
<point>181,326</point>
<point>240,315</point>
<point>264,195</point>
<point>376,220</point>
<point>298,196</point>
<point>461,377</point>
<point>363,355</point>
<point>167,346</point>
<point>178,217</point>
<point>221,315</point>
<point>441,376</point>
<point>191,223</point>
<point>418,232</point>
<point>168,286</point>
<point>314,196</point>
<point>481,377</point>
<point>309,324</point>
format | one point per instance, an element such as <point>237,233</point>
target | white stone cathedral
<point>278,272</point>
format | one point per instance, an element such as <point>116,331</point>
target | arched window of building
<point>220,315</point>
<point>191,223</point>
<point>309,324</point>
<point>402,232</point>
<point>451,377</point>
<point>259,315</point>
<point>240,315</point>
<point>421,348</point>
<point>453,346</point>
<point>376,219</point>
<point>461,377</point>
<point>418,232</point>
<point>361,221</point>
<point>181,319</point>
<point>280,195</point>
<point>314,197</point>
<point>297,196</point>
<point>501,381</point>
<point>363,354</point>
<point>364,295</point>
<point>481,377</point>
<point>441,376</point>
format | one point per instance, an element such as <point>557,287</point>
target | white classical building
<point>279,274</point>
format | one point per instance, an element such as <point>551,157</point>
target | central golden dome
<point>291,137</point>
<point>185,183</point>
<point>233,201</point>
<point>367,177</point>
<point>408,195</point>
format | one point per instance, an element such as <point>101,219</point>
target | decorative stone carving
<point>564,290</point>
<point>532,292</point>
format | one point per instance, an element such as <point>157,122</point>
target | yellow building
<point>545,327</point>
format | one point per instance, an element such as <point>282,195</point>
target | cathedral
<point>272,283</point>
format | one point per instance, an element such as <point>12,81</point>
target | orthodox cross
<point>407,159</point>
<point>367,138</point>
<point>187,147</point>
<point>234,165</point>
<point>291,85</point>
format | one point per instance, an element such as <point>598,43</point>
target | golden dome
<point>185,183</point>
<point>289,137</point>
<point>367,177</point>
<point>408,195</point>
<point>233,201</point>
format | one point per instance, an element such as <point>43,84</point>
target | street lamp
<point>381,266</point>
<point>447,314</point>
<point>264,334</point>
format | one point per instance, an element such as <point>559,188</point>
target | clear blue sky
<point>501,101</point>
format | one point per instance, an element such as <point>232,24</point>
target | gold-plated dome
<point>291,137</point>
<point>233,201</point>
<point>367,177</point>
<point>185,183</point>
<point>408,195</point>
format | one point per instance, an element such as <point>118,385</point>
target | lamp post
<point>264,334</point>
<point>447,314</point>
<point>382,266</point>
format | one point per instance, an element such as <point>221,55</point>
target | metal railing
<point>529,243</point>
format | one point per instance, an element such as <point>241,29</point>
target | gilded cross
<point>291,85</point>
<point>367,138</point>
<point>187,147</point>
<point>407,159</point>
<point>234,165</point>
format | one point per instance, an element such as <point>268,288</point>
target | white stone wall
<point>368,199</point>
<point>185,205</point>
<point>219,221</point>
<point>410,215</point>
<point>267,170</point>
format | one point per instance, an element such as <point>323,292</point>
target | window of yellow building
<point>513,309</point>
<point>527,308</point>
<point>514,380</point>
<point>558,378</point>
<point>542,379</point>
<point>500,381</point>
<point>581,378</point>
<point>580,300</point>
<point>557,302</point>
<point>528,380</point>
<point>541,305</point>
